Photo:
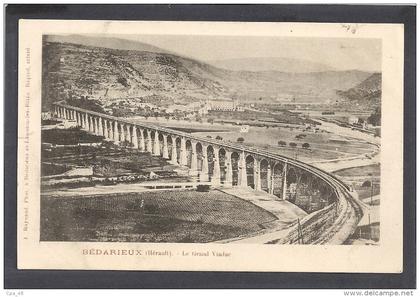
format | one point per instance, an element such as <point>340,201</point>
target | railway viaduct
<point>228,164</point>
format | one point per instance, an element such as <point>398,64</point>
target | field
<point>69,136</point>
<point>172,216</point>
<point>374,170</point>
<point>323,145</point>
<point>361,178</point>
<point>195,130</point>
<point>259,117</point>
<point>114,159</point>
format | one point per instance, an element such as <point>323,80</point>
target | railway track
<point>330,225</point>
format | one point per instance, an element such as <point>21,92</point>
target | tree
<point>105,168</point>
<point>292,144</point>
<point>305,145</point>
<point>367,184</point>
<point>108,144</point>
<point>126,143</point>
<point>203,188</point>
<point>282,143</point>
<point>240,140</point>
<point>123,81</point>
<point>375,117</point>
<point>219,137</point>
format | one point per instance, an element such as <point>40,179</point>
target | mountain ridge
<point>105,42</point>
<point>369,90</point>
<point>73,70</point>
<point>259,64</point>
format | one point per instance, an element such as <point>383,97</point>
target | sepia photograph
<point>197,139</point>
<point>210,146</point>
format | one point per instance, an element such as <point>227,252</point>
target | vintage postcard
<point>210,146</point>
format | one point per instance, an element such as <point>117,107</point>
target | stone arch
<point>322,194</point>
<point>93,124</point>
<point>160,138</point>
<point>178,148</point>
<point>170,145</point>
<point>137,129</point>
<point>120,128</point>
<point>199,150</point>
<point>90,122</point>
<point>303,197</point>
<point>99,126</point>
<point>160,141</point>
<point>128,132</point>
<point>277,179</point>
<point>222,164</point>
<point>292,179</point>
<point>235,168</point>
<point>250,172</point>
<point>292,175</point>
<point>188,147</point>
<point>154,133</point>
<point>110,126</point>
<point>99,123</point>
<point>264,178</point>
<point>210,159</point>
<point>105,128</point>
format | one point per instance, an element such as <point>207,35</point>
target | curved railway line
<point>332,224</point>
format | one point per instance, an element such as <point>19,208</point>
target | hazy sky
<point>338,53</point>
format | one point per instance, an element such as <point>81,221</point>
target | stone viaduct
<point>223,163</point>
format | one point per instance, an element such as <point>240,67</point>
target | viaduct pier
<point>333,211</point>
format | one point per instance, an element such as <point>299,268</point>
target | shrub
<point>282,143</point>
<point>108,144</point>
<point>126,143</point>
<point>150,209</point>
<point>367,184</point>
<point>305,145</point>
<point>292,144</point>
<point>240,140</point>
<point>186,239</point>
<point>219,137</point>
<point>203,188</point>
<point>123,81</point>
<point>50,122</point>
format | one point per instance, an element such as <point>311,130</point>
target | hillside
<point>367,92</point>
<point>303,87</point>
<point>72,70</point>
<point>271,64</point>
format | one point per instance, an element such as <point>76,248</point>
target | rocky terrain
<point>107,69</point>
<point>368,92</point>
